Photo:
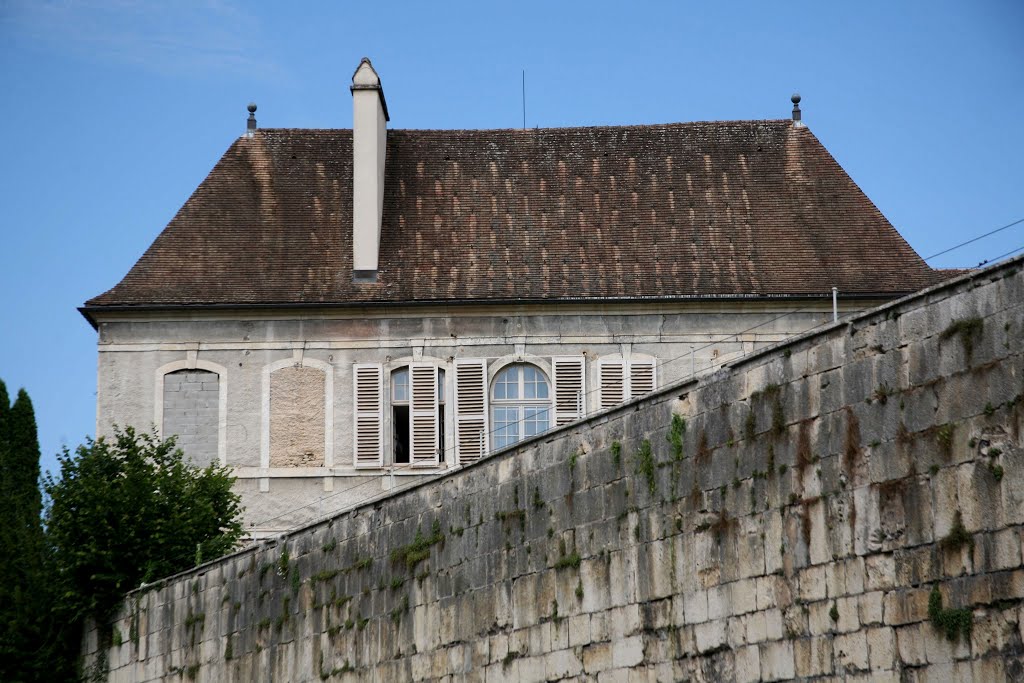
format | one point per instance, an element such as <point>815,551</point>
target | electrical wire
<point>975,239</point>
<point>662,364</point>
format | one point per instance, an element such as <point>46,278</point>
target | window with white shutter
<point>423,414</point>
<point>611,379</point>
<point>368,399</point>
<point>641,377</point>
<point>622,380</point>
<point>471,440</point>
<point>570,394</point>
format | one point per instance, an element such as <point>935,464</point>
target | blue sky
<point>115,110</point>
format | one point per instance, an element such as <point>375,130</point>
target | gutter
<point>87,311</point>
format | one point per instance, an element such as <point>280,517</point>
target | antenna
<point>524,99</point>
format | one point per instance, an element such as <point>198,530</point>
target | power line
<point>1000,257</point>
<point>975,239</point>
<point>661,364</point>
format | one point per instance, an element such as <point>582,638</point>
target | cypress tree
<point>24,596</point>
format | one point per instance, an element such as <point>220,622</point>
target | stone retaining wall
<point>830,508</point>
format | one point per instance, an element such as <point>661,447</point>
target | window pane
<point>440,386</point>
<point>535,420</point>
<point>400,385</point>
<point>506,426</point>
<point>506,385</point>
<point>534,384</point>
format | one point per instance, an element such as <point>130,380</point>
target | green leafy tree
<point>131,510</point>
<point>25,619</point>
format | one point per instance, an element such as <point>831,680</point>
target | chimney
<point>795,99</point>
<point>250,124</point>
<point>369,145</point>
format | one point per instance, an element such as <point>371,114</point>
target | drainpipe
<point>835,304</point>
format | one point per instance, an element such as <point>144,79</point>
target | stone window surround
<point>297,360</point>
<point>192,362</point>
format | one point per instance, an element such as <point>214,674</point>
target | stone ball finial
<point>252,107</point>
<point>795,99</point>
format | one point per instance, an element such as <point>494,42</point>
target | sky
<point>115,110</point>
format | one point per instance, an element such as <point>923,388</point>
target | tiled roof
<point>715,209</point>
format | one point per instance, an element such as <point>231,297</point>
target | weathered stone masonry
<point>190,407</point>
<point>829,509</point>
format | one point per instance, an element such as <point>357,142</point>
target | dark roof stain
<point>713,209</point>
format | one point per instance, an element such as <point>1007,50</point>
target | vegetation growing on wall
<point>967,330</point>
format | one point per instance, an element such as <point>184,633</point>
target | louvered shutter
<point>611,378</point>
<point>423,414</point>
<point>471,440</point>
<point>641,378</point>
<point>569,389</point>
<point>368,399</point>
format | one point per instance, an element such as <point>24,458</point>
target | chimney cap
<point>365,78</point>
<point>795,98</point>
<point>252,107</point>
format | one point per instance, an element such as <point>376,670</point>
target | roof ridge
<point>669,124</point>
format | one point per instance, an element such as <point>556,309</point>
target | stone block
<point>718,602</point>
<point>748,664</point>
<point>881,648</point>
<point>812,657</point>
<point>851,652</point>
<point>627,652</point>
<point>880,572</point>
<point>742,596</point>
<point>939,649</point>
<point>777,662</point>
<point>710,635</point>
<point>563,664</point>
<point>812,585</point>
<point>579,630</point>
<point>755,628</point>
<point>870,607</point>
<point>597,657</point>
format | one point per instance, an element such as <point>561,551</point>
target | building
<point>333,311</point>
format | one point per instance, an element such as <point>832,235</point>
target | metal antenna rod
<point>524,99</point>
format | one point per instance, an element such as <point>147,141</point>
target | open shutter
<point>611,378</point>
<point>641,378</point>
<point>423,414</point>
<point>471,440</point>
<point>368,399</point>
<point>569,389</point>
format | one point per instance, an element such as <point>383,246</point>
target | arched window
<point>520,404</point>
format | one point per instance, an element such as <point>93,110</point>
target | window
<point>520,404</point>
<point>417,414</point>
<point>621,380</point>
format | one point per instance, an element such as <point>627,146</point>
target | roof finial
<point>795,99</point>
<point>250,125</point>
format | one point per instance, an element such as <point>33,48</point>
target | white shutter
<point>368,400</point>
<point>611,378</point>
<point>569,389</point>
<point>641,377</point>
<point>423,414</point>
<point>471,440</point>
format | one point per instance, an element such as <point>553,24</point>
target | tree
<point>25,624</point>
<point>131,510</point>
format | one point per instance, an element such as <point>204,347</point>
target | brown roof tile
<point>744,208</point>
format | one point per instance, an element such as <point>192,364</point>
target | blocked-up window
<point>297,417</point>
<point>191,412</point>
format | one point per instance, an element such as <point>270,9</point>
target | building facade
<point>334,312</point>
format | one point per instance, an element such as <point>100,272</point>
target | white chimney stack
<point>369,147</point>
